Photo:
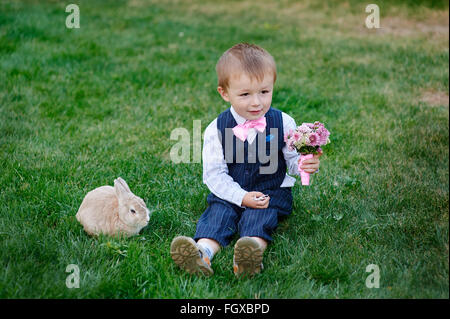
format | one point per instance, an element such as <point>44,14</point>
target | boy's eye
<point>243,94</point>
<point>264,92</point>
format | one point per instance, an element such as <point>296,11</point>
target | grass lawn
<point>80,107</point>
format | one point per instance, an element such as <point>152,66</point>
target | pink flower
<point>304,128</point>
<point>288,135</point>
<point>314,139</point>
<point>323,135</point>
<point>318,126</point>
<point>290,144</point>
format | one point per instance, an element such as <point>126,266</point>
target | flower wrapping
<point>304,175</point>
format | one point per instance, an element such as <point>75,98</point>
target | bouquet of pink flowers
<point>307,140</point>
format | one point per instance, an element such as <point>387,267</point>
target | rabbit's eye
<point>133,211</point>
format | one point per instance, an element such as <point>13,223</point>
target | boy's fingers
<point>313,166</point>
<point>311,161</point>
<point>263,203</point>
<point>309,170</point>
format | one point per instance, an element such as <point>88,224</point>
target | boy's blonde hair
<point>248,58</point>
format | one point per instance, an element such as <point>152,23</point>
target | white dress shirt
<point>215,169</point>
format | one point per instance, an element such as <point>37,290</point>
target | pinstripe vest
<point>252,167</point>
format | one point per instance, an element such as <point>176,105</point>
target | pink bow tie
<point>241,130</point>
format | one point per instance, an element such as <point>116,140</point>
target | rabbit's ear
<point>124,184</point>
<point>121,191</point>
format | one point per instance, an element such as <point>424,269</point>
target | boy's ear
<point>223,93</point>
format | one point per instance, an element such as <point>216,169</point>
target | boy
<point>247,195</point>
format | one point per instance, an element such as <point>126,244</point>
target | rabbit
<point>113,211</point>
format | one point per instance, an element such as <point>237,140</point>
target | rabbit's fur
<point>113,211</point>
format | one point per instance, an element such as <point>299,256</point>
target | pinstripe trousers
<point>222,219</point>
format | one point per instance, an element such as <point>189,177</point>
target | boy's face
<point>250,98</point>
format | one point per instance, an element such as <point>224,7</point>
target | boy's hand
<point>248,200</point>
<point>311,165</point>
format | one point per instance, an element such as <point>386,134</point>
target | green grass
<point>80,107</point>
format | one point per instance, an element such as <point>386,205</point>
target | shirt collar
<point>239,119</point>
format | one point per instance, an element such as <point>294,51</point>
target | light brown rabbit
<point>113,211</point>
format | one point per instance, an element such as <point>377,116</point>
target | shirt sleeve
<point>291,157</point>
<point>215,169</point>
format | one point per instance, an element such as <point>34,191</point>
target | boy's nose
<point>255,100</point>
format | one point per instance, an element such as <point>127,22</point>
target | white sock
<point>207,249</point>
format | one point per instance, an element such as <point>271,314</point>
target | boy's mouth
<point>255,112</point>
